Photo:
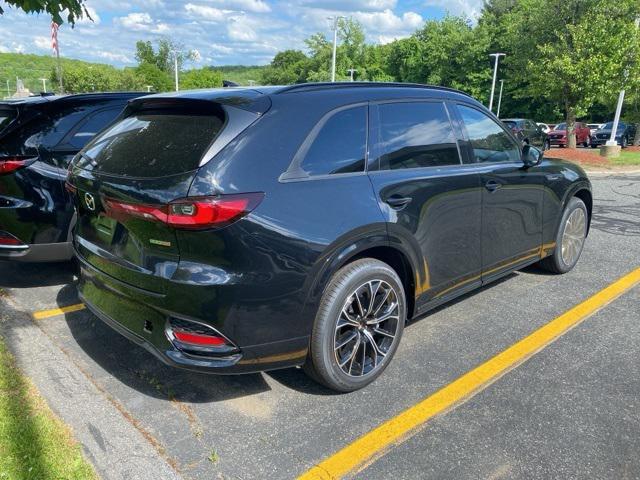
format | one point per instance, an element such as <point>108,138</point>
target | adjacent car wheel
<point>546,145</point>
<point>569,239</point>
<point>586,143</point>
<point>624,142</point>
<point>358,326</point>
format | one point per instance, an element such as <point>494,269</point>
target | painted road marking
<point>58,311</point>
<point>357,455</point>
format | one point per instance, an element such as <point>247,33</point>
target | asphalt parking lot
<point>572,410</point>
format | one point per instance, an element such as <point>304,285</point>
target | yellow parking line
<point>357,455</point>
<point>58,311</point>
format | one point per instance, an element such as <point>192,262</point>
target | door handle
<point>492,185</point>
<point>397,202</point>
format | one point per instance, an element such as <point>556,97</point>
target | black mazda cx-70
<point>238,230</point>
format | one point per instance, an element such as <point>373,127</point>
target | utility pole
<point>44,85</point>
<point>149,87</point>
<point>351,72</point>
<point>335,45</point>
<point>495,75</point>
<point>175,67</point>
<point>8,91</point>
<point>500,98</point>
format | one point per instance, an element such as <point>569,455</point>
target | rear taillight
<point>190,213</point>
<point>8,240</point>
<point>11,164</point>
<point>197,338</point>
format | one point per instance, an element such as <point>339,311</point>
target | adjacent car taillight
<point>190,213</point>
<point>11,164</point>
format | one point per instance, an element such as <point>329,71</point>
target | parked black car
<point>528,132</point>
<point>624,134</point>
<point>240,230</point>
<point>38,138</point>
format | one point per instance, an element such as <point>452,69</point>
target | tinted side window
<point>340,145</point>
<point>92,126</point>
<point>416,135</point>
<point>489,141</point>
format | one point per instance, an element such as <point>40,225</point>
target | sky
<point>222,32</point>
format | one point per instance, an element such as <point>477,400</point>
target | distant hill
<point>31,68</point>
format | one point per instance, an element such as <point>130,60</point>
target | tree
<point>151,75</point>
<point>201,78</point>
<point>571,52</point>
<point>287,67</point>
<point>73,9</point>
<point>163,56</point>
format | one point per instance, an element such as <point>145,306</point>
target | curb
<point>115,447</point>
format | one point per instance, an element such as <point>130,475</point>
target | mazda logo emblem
<point>90,201</point>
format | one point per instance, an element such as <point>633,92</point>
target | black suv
<point>38,138</point>
<point>625,134</point>
<point>239,230</point>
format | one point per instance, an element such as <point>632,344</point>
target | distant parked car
<point>593,127</point>
<point>528,132</point>
<point>38,138</point>
<point>624,135</point>
<point>558,136</point>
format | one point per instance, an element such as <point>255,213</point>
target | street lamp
<point>500,98</point>
<point>44,85</point>
<point>175,68</point>
<point>335,45</point>
<point>351,72</point>
<point>495,74</point>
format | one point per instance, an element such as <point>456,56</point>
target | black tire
<point>322,362</point>
<point>555,262</point>
<point>586,143</point>
<point>624,143</point>
<point>594,146</point>
<point>546,145</point>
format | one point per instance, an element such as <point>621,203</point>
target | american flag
<point>54,38</point>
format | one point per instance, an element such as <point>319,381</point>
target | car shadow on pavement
<point>138,369</point>
<point>29,275</point>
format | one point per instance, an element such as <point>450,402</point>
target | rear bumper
<point>41,252</point>
<point>126,311</point>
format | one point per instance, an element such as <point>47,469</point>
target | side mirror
<point>531,156</point>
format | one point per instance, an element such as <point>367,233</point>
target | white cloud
<point>240,29</point>
<point>95,18</point>
<point>352,5</point>
<point>206,12</point>
<point>387,21</point>
<point>43,43</point>
<point>136,21</point>
<point>114,57</point>
<point>470,8</point>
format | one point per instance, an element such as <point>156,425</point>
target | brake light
<point>11,164</point>
<point>190,213</point>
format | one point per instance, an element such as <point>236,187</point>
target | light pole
<point>335,45</point>
<point>500,98</point>
<point>495,75</point>
<point>44,85</point>
<point>351,72</point>
<point>149,87</point>
<point>616,120</point>
<point>175,68</point>
<point>8,90</point>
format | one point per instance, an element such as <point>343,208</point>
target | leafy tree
<point>73,9</point>
<point>150,74</point>
<point>201,78</point>
<point>163,55</point>
<point>289,66</point>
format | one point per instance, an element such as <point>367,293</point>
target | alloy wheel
<point>366,328</point>
<point>573,236</point>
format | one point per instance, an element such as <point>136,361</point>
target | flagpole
<point>56,49</point>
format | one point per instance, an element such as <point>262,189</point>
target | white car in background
<point>594,126</point>
<point>545,128</point>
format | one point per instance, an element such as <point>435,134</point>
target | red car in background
<point>558,136</point>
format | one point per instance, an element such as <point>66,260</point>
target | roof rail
<point>328,85</point>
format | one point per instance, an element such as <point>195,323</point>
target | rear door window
<point>340,144</point>
<point>6,117</point>
<point>415,135</point>
<point>153,144</point>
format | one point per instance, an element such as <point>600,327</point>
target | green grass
<point>627,158</point>
<point>34,443</point>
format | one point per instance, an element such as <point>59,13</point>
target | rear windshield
<point>152,144</point>
<point>6,117</point>
<point>510,124</point>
